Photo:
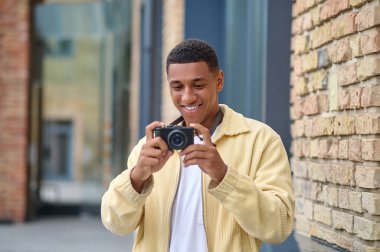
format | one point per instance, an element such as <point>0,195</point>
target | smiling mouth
<point>191,108</point>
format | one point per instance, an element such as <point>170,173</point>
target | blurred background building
<point>79,80</point>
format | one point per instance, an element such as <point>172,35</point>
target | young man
<point>228,191</point>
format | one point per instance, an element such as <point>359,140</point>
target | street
<point>55,234</point>
<point>85,233</point>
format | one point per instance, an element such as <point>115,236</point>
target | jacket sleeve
<point>122,207</point>
<point>264,205</point>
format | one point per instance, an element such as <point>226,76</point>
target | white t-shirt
<point>187,227</point>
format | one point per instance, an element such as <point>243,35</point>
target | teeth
<point>191,107</point>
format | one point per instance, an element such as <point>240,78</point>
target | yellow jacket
<point>253,203</point>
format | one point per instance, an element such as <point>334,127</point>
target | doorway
<point>57,157</point>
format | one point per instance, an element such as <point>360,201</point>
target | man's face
<point>194,91</point>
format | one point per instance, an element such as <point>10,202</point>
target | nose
<point>188,95</point>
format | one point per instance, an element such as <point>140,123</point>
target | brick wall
<point>14,80</point>
<point>335,99</point>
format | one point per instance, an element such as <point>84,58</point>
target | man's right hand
<point>153,155</point>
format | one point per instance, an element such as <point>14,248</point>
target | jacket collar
<point>233,123</point>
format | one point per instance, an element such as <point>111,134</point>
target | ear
<point>220,81</point>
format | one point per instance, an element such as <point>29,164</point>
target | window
<point>57,155</point>
<point>59,48</point>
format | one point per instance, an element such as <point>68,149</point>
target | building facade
<point>310,69</point>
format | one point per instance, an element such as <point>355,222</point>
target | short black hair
<point>193,50</point>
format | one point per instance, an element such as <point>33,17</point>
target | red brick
<point>14,84</point>
<point>324,147</point>
<point>321,35</point>
<point>371,149</point>
<point>309,61</point>
<point>342,174</point>
<point>297,25</point>
<point>331,196</point>
<point>316,192</point>
<point>368,67</point>
<point>347,74</point>
<point>343,149</point>
<point>341,220</point>
<point>370,41</point>
<point>317,171</point>
<point>355,45</point>
<point>371,202</point>
<point>305,147</point>
<point>321,232</point>
<point>307,22</point>
<point>296,148</point>
<point>344,125</point>
<point>359,246</point>
<point>333,151</point>
<point>355,95</point>
<point>322,214</point>
<point>344,99</point>
<point>297,108</point>
<point>318,80</point>
<point>368,17</point>
<point>355,199</point>
<point>299,128</point>
<point>354,150</point>
<point>323,126</point>
<point>300,86</point>
<point>301,43</point>
<point>343,25</point>
<point>308,123</point>
<point>370,96</point>
<point>297,62</point>
<point>311,105</point>
<point>340,51</point>
<point>366,229</point>
<point>315,15</point>
<point>343,198</point>
<point>367,124</point>
<point>299,168</point>
<point>332,8</point>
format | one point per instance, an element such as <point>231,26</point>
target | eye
<point>199,85</point>
<point>176,86</point>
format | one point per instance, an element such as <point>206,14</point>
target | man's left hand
<point>205,156</point>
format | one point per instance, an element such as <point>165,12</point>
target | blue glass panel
<point>245,56</point>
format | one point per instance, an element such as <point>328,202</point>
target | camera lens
<point>177,139</point>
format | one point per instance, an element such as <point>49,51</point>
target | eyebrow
<point>193,80</point>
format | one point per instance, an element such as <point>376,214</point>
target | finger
<point>149,162</point>
<point>196,155</point>
<point>203,131</point>
<point>152,153</point>
<point>192,148</point>
<point>159,143</point>
<point>149,129</point>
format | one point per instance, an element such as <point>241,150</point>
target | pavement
<point>64,233</point>
<point>85,233</point>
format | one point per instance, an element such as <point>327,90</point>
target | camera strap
<point>218,120</point>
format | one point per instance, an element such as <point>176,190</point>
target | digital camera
<point>176,137</point>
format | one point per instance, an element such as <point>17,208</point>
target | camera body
<point>176,137</point>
